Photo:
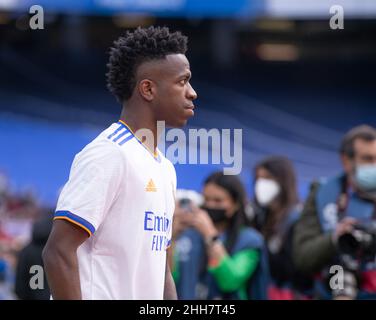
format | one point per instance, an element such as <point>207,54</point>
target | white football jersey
<point>124,197</point>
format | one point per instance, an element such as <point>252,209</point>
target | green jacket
<point>312,249</point>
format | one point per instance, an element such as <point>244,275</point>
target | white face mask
<point>266,190</point>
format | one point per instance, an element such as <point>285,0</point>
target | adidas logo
<point>150,187</point>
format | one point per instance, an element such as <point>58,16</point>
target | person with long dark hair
<point>220,257</point>
<point>276,210</point>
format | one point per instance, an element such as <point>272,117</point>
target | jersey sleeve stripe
<point>69,216</point>
<point>155,155</point>
<point>121,127</point>
<point>125,140</point>
<point>121,135</point>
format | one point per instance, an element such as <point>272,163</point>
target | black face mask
<point>217,215</point>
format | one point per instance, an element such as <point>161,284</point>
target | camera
<point>185,204</point>
<point>187,199</point>
<point>354,249</point>
<point>361,242</point>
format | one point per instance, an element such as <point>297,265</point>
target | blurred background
<point>272,68</point>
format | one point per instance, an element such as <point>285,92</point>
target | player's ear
<point>147,89</point>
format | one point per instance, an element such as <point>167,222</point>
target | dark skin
<point>169,288</point>
<point>60,260</point>
<point>162,93</point>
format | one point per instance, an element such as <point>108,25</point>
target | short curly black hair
<point>136,47</point>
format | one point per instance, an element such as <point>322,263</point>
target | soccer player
<point>112,225</point>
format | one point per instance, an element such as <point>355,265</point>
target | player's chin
<point>180,123</point>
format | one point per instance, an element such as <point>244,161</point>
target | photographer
<point>336,224</point>
<point>218,257</point>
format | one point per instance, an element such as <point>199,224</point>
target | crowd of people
<point>226,245</point>
<point>24,229</point>
<point>276,246</point>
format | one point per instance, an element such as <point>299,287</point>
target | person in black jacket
<point>275,212</point>
<point>30,256</point>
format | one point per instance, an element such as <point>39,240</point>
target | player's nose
<point>191,93</point>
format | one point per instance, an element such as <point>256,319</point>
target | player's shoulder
<point>103,147</point>
<point>119,135</point>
